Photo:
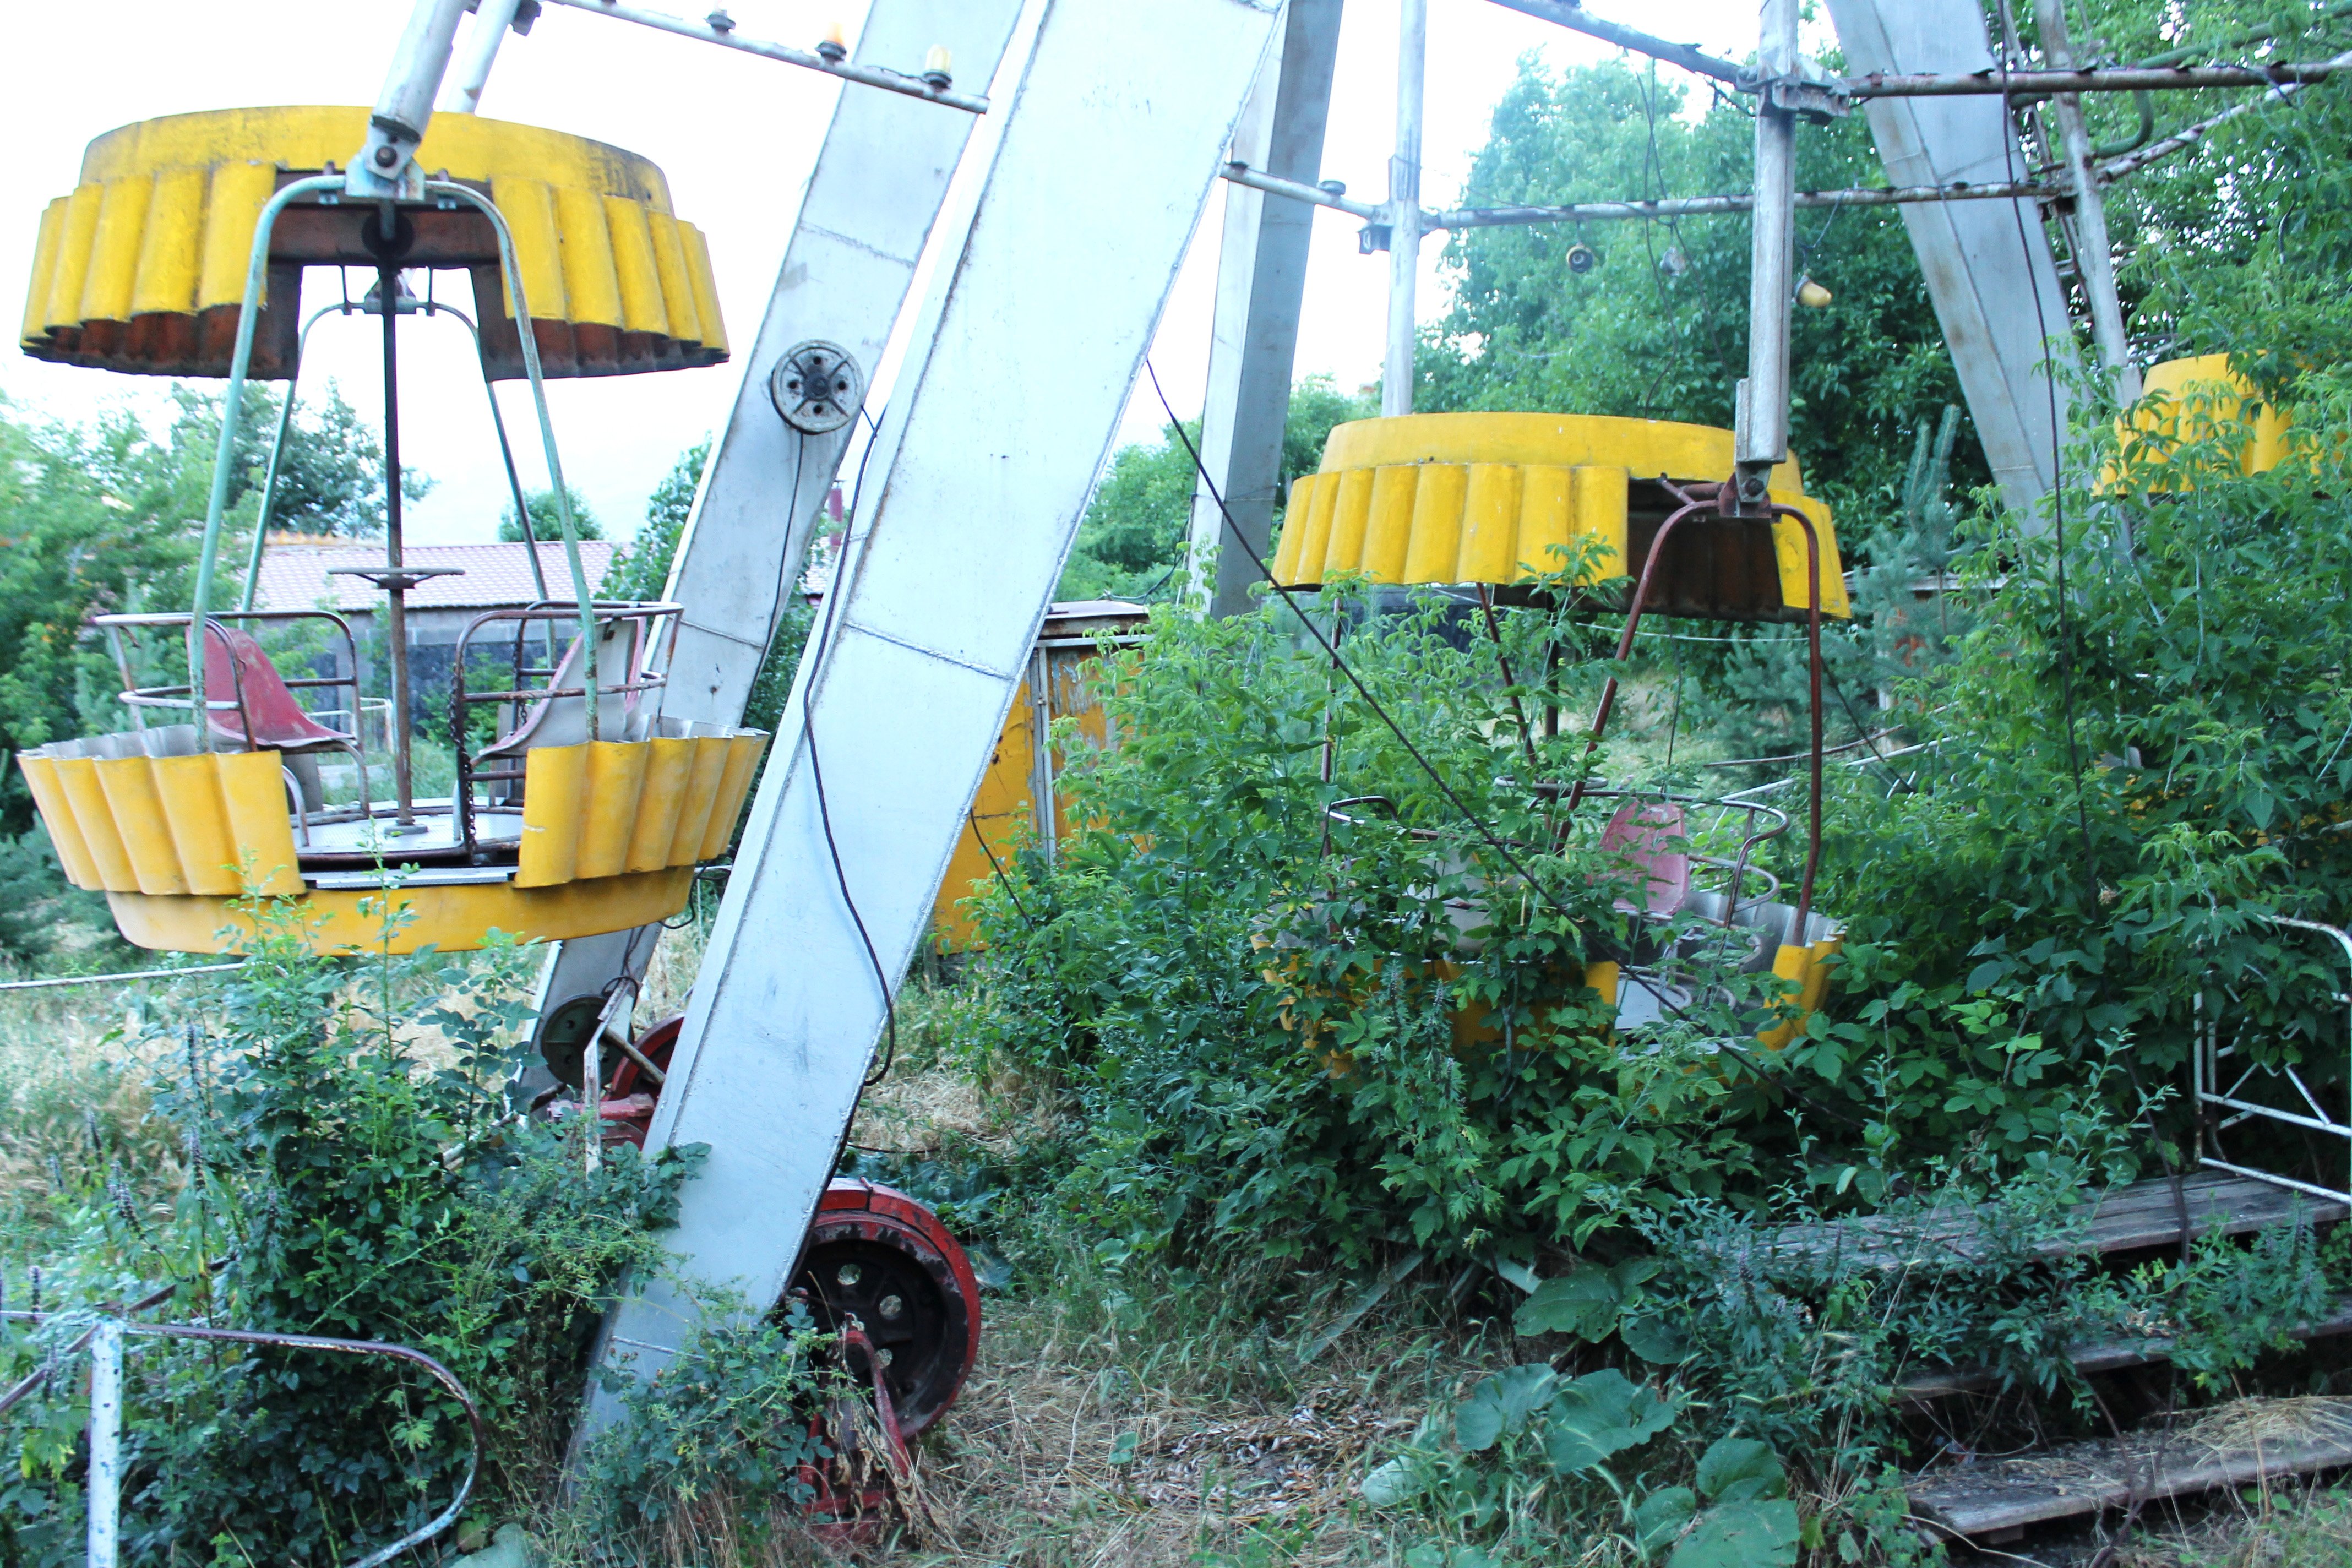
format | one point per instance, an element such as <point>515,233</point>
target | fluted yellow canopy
<point>1506,499</point>
<point>143,267</point>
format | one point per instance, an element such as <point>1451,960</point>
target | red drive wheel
<point>880,1257</point>
<point>629,1095</point>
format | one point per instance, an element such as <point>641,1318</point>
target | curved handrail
<point>438,1373</point>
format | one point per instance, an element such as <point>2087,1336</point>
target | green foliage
<point>331,474</point>
<point>1291,1034</point>
<point>1531,1451</point>
<point>547,519</point>
<point>1132,538</point>
<point>721,1429</point>
<point>641,571</point>
<point>335,1185</point>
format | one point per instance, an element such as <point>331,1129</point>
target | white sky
<point>737,136</point>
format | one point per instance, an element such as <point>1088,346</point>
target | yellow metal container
<point>142,267</point>
<point>1017,790</point>
<point>2185,402</point>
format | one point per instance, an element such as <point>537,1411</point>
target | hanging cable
<point>821,648</point>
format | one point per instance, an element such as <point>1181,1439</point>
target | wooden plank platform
<point>2098,1355</point>
<point>2120,1219</point>
<point>2252,1440</point>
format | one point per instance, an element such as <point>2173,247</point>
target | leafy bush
<point>335,1183</point>
<point>1295,1029</point>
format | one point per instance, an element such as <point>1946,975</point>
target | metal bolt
<point>386,156</point>
<point>891,1306</point>
<point>849,1274</point>
<point>720,22</point>
<point>1333,187</point>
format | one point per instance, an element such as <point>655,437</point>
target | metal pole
<point>482,41</point>
<point>1404,206</point>
<point>276,462</point>
<point>871,76</point>
<point>396,627</point>
<point>1571,14</point>
<point>105,1442</point>
<point>529,338</point>
<point>2041,84</point>
<point>1762,436</point>
<point>2094,256</point>
<point>382,168</point>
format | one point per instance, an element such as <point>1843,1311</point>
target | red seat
<point>1646,833</point>
<point>236,669</point>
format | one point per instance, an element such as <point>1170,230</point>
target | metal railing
<point>103,1339</point>
<point>521,697</point>
<point>2207,1090</point>
<point>139,699</point>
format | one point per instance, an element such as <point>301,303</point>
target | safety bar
<point>2205,1086</point>
<point>520,691</point>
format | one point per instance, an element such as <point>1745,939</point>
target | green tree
<point>1658,329</point>
<point>330,476</point>
<point>546,524</point>
<point>1134,531</point>
<point>643,569</point>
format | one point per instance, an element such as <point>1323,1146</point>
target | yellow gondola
<point>1510,502</point>
<point>576,807</point>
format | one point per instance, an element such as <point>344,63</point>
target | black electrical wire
<point>2057,479</point>
<point>1469,818</point>
<point>823,644</point>
<point>998,867</point>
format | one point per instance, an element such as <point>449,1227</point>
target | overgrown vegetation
<point>1331,1211</point>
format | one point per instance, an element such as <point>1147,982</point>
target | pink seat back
<point>1645,834</point>
<point>236,669</point>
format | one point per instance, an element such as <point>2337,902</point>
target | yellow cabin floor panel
<point>447,919</point>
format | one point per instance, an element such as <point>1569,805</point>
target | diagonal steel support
<point>864,220</point>
<point>1261,285</point>
<point>1022,360</point>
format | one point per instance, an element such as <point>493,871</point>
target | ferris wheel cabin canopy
<point>1511,499</point>
<point>143,267</point>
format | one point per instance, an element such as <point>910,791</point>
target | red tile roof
<point>300,576</point>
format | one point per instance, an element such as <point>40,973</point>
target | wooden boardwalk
<point>2140,1217</point>
<point>2252,1440</point>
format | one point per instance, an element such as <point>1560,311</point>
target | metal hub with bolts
<point>817,388</point>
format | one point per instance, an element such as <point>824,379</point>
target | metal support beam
<point>2093,254</point>
<point>481,51</point>
<point>1261,284</point>
<point>1404,206</point>
<point>1988,264</point>
<point>1576,18</point>
<point>865,218</point>
<point>1761,435</point>
<point>1989,83</point>
<point>384,167</point>
<point>972,504</point>
<point>922,86</point>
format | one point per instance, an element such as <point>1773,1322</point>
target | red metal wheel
<point>629,1096</point>
<point>880,1257</point>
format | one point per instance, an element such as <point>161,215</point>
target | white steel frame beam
<point>1261,285</point>
<point>867,213</point>
<point>1988,264</point>
<point>1022,363</point>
